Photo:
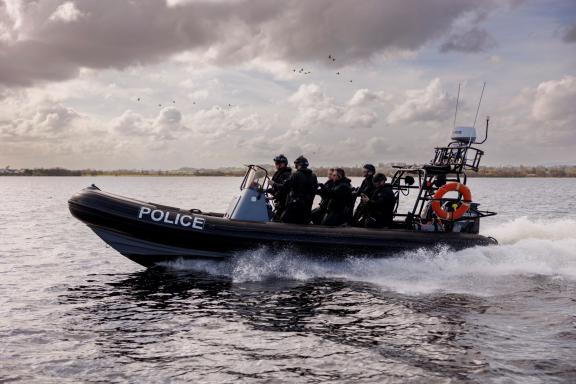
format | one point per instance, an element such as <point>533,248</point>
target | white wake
<point>528,251</point>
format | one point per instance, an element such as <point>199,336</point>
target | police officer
<point>366,188</point>
<point>301,188</point>
<point>339,200</point>
<point>282,174</point>
<point>379,208</point>
<point>323,190</point>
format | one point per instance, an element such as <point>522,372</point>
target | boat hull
<point>149,233</point>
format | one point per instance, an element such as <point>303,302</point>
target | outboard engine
<point>251,204</point>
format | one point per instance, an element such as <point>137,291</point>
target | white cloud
<point>430,103</point>
<point>360,118</point>
<point>46,121</point>
<point>378,145</point>
<point>14,13</point>
<point>226,122</point>
<point>169,117</point>
<point>556,100</point>
<point>201,94</point>
<point>316,110</point>
<point>279,69</point>
<point>167,125</point>
<point>538,124</point>
<point>365,96</point>
<point>54,118</point>
<point>131,124</point>
<point>67,13</point>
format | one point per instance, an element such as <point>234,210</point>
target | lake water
<point>73,310</point>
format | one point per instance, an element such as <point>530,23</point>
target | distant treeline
<point>504,171</point>
<point>525,171</point>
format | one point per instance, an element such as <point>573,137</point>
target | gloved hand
<point>321,189</point>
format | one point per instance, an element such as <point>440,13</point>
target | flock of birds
<point>300,71</point>
<point>160,105</point>
<point>331,59</point>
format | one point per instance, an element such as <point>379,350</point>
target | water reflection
<point>170,317</point>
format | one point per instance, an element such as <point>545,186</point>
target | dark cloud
<point>570,34</point>
<point>474,40</point>
<point>44,40</point>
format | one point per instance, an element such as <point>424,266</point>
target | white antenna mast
<point>456,111</point>
<point>479,102</point>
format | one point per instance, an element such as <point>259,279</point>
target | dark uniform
<point>339,203</point>
<point>379,211</point>
<point>319,212</point>
<point>366,188</point>
<point>301,188</point>
<point>279,196</point>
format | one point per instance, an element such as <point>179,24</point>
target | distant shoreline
<point>562,171</point>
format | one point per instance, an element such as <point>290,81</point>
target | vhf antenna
<point>456,111</point>
<point>479,102</point>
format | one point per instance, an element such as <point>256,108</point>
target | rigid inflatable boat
<point>150,233</point>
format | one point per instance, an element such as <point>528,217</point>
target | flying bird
<point>138,99</point>
<point>338,73</point>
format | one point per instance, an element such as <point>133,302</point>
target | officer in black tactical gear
<point>323,190</point>
<point>339,200</point>
<point>379,211</point>
<point>282,174</point>
<point>301,188</point>
<point>366,188</point>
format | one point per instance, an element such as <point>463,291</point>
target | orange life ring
<point>461,210</point>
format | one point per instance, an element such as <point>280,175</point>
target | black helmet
<point>378,178</point>
<point>370,168</point>
<point>301,161</point>
<point>281,159</point>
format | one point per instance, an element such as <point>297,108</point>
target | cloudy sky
<point>199,83</point>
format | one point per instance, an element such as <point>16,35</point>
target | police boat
<point>150,233</point>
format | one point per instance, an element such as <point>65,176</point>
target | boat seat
<point>437,169</point>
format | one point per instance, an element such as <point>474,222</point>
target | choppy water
<point>73,310</point>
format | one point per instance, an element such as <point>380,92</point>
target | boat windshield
<point>255,178</point>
